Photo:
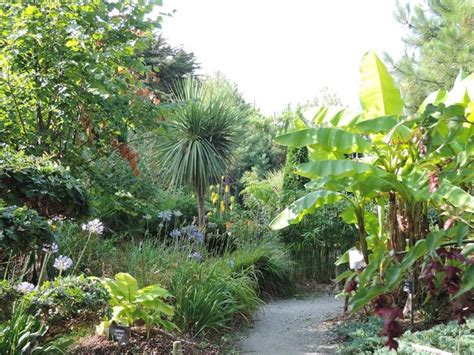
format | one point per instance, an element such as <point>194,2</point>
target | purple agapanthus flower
<point>196,256</point>
<point>95,227</point>
<point>62,263</point>
<point>165,215</point>
<point>25,287</point>
<point>175,233</point>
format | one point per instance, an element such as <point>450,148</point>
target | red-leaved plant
<point>391,328</point>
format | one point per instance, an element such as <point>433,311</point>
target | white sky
<point>280,52</point>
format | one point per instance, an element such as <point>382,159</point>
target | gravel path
<point>292,326</point>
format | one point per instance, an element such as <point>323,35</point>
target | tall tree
<point>199,138</point>
<point>169,65</point>
<point>440,42</point>
<point>70,81</point>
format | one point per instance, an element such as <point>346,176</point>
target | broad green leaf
<point>379,124</point>
<point>151,292</point>
<point>343,259</point>
<point>328,139</point>
<point>459,94</point>
<point>435,98</point>
<point>379,96</point>
<point>434,240</point>
<point>334,116</point>
<point>307,204</point>
<point>346,274</point>
<point>417,251</point>
<point>467,281</point>
<point>364,296</point>
<point>338,169</point>
<point>455,196</point>
<point>393,275</point>
<point>316,153</point>
<point>127,284</point>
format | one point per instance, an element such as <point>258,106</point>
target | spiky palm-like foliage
<point>200,134</point>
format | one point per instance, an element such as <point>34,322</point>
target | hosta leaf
<point>307,204</point>
<point>338,169</point>
<point>379,96</point>
<point>151,292</point>
<point>127,284</point>
<point>328,139</point>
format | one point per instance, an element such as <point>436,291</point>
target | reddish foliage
<point>391,328</point>
<point>428,274</point>
<point>463,308</point>
<point>379,303</point>
<point>452,280</point>
<point>351,286</point>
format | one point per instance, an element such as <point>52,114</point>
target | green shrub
<point>22,334</point>
<point>448,337</point>
<point>40,184</point>
<point>130,203</point>
<point>361,337</point>
<point>22,230</point>
<point>66,300</point>
<point>268,264</point>
<point>209,298</point>
<point>131,304</point>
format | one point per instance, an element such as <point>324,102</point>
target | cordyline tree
<point>404,167</point>
<point>199,137</point>
<point>71,75</point>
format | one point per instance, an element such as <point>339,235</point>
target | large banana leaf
<point>307,204</point>
<point>455,196</point>
<point>328,139</point>
<point>338,169</point>
<point>379,96</point>
<point>379,124</point>
<point>334,116</point>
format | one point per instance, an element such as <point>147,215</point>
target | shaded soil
<point>159,342</point>
<point>293,326</point>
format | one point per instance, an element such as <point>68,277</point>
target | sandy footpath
<point>292,326</point>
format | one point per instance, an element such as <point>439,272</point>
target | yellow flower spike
<point>222,206</point>
<point>227,188</point>
<point>232,198</point>
<point>231,206</point>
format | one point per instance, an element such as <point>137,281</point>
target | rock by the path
<point>293,326</point>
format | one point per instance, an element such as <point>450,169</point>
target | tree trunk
<point>362,235</point>
<point>201,209</point>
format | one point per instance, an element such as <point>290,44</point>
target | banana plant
<point>402,165</point>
